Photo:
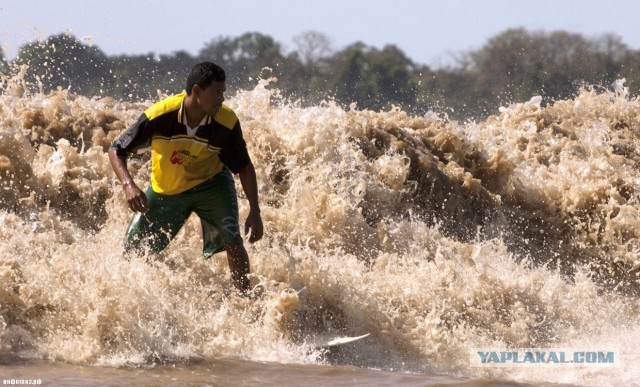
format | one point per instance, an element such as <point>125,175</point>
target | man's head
<point>203,74</point>
<point>206,87</point>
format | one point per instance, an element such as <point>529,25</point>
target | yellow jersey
<point>183,158</point>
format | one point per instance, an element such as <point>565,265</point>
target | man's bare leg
<point>239,265</point>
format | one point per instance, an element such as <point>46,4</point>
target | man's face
<point>211,98</point>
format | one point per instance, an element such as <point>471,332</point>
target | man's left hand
<point>254,223</point>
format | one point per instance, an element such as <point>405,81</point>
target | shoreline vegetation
<point>511,67</point>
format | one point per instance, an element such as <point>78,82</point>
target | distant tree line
<point>511,67</point>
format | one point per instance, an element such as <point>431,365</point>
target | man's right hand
<point>136,198</point>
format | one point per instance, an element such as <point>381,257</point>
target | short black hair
<point>203,74</point>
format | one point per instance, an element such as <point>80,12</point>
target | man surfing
<point>196,145</point>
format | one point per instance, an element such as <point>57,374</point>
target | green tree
<point>4,66</point>
<point>312,47</point>
<point>244,57</point>
<point>374,79</point>
<point>313,53</point>
<point>253,55</point>
<point>133,75</point>
<point>351,83</point>
<point>511,67</point>
<point>63,61</point>
<point>502,65</point>
<point>451,92</point>
<point>392,72</point>
<point>630,62</point>
<point>173,71</point>
<point>518,64</point>
<point>144,77</point>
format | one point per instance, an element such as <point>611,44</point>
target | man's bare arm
<point>135,197</point>
<point>250,187</point>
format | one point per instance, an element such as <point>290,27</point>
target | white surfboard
<point>340,341</point>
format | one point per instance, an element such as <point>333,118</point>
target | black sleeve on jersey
<point>134,138</point>
<point>234,151</point>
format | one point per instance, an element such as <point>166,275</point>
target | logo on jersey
<point>182,157</point>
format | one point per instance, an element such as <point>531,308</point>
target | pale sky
<point>429,32</point>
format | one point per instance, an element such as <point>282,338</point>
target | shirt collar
<point>182,114</point>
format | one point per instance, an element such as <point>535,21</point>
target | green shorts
<point>215,203</point>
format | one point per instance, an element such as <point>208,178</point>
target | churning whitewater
<point>434,236</point>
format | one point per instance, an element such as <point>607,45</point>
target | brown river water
<point>436,237</point>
